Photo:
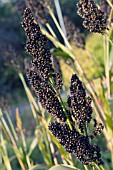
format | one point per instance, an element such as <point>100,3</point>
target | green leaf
<point>60,53</point>
<point>33,145</point>
<point>63,167</point>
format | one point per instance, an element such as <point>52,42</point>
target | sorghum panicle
<point>94,19</point>
<point>80,104</point>
<point>76,143</point>
<point>36,46</point>
<point>46,95</point>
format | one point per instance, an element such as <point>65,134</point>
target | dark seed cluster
<point>39,9</point>
<point>80,105</point>
<point>46,95</point>
<point>94,19</point>
<point>98,129</point>
<point>59,82</point>
<point>76,143</point>
<point>73,34</point>
<point>36,46</point>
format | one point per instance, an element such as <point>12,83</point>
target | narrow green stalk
<point>4,153</point>
<point>47,146</point>
<point>106,63</point>
<point>28,91</point>
<point>11,125</point>
<point>102,168</point>
<point>52,149</point>
<point>51,30</point>
<point>109,2</point>
<point>16,150</point>
<point>57,43</point>
<point>60,17</point>
<point>61,101</point>
<point>59,28</point>
<point>32,102</point>
<point>25,149</point>
<point>86,168</point>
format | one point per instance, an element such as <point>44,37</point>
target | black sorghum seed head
<point>94,19</point>
<point>46,95</point>
<point>79,103</point>
<point>76,143</point>
<point>36,46</point>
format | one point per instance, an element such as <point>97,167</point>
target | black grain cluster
<point>76,143</point>
<point>36,46</point>
<point>94,19</point>
<point>40,71</point>
<point>46,95</point>
<point>79,103</point>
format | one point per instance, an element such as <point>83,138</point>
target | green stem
<point>86,168</point>
<point>109,2</point>
<point>59,28</point>
<point>51,30</point>
<point>16,150</point>
<point>11,125</point>
<point>32,102</point>
<point>61,101</point>
<point>106,62</point>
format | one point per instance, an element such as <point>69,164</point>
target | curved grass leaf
<point>63,167</point>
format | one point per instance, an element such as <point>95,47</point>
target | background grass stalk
<point>60,17</point>
<point>16,150</point>
<point>59,28</point>
<point>107,69</point>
